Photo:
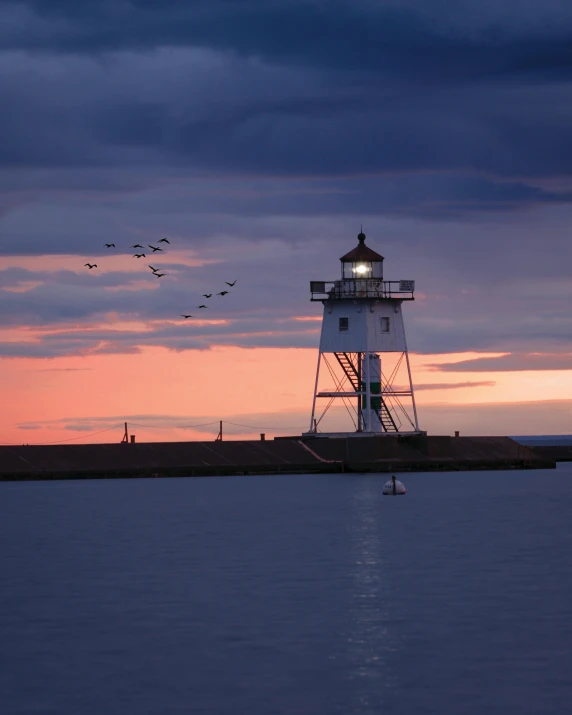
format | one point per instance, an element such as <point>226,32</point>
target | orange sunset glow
<point>266,389</point>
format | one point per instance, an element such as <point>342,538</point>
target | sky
<point>259,136</point>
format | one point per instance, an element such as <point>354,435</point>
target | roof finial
<point>361,234</point>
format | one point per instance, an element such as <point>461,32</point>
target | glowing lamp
<point>361,269</point>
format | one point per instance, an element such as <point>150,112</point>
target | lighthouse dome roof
<point>361,252</point>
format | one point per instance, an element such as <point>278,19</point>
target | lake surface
<point>295,594</point>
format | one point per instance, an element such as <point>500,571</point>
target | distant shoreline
<point>553,440</point>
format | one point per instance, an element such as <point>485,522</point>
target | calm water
<point>303,594</point>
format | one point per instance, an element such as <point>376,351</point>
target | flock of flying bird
<point>157,272</point>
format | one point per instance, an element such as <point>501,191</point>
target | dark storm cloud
<point>405,36</point>
<point>263,134</point>
<point>197,86</point>
<point>250,208</point>
<point>511,362</point>
<point>267,121</point>
<point>39,298</point>
<point>65,369</point>
<point>454,385</point>
<point>475,331</point>
<point>259,311</point>
<point>178,338</point>
<point>68,296</point>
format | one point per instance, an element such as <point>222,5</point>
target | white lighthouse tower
<point>364,348</point>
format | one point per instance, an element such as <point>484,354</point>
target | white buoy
<point>394,488</point>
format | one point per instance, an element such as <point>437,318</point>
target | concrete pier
<point>280,456</point>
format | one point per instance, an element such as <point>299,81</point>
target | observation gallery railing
<point>364,288</point>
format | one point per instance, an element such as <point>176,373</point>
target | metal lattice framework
<point>349,387</point>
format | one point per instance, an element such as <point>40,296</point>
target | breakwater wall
<point>285,455</point>
<point>557,453</point>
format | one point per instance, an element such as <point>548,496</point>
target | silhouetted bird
<point>153,269</point>
<point>186,316</point>
<point>202,306</point>
<point>159,275</point>
<point>223,292</point>
<point>207,295</point>
<point>90,265</point>
<point>137,245</point>
<point>230,284</point>
<point>155,248</point>
<point>139,255</point>
<point>109,245</point>
<point>165,240</point>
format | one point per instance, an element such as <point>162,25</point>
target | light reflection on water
<point>369,639</point>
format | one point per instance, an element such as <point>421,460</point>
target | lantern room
<point>361,262</point>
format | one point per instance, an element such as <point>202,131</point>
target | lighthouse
<point>363,350</point>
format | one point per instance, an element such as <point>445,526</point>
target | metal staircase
<point>386,418</point>
<point>350,370</point>
<point>353,373</point>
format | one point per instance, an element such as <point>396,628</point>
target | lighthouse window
<point>385,325</point>
<point>344,324</point>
